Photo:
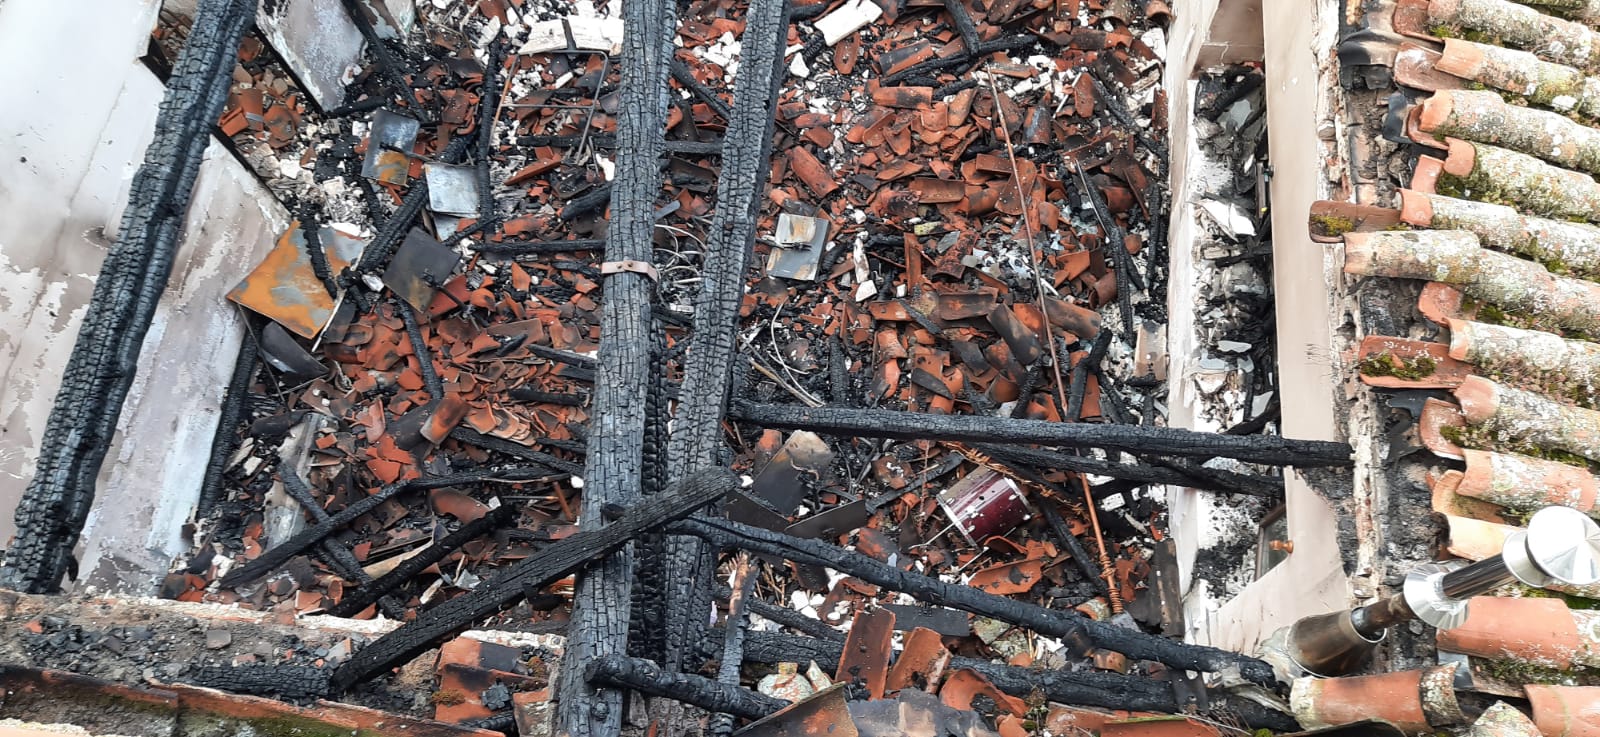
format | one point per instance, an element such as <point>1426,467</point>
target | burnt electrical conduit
<point>105,355</point>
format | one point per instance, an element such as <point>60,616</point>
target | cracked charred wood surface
<point>601,601</point>
<point>641,675</point>
<point>515,450</point>
<point>648,617</point>
<point>105,355</point>
<point>282,681</point>
<point>271,558</point>
<point>1077,631</point>
<point>556,560</point>
<point>881,423</point>
<point>226,438</point>
<point>746,573</point>
<point>1217,480</point>
<point>1104,690</point>
<point>786,617</point>
<point>354,601</point>
<point>339,557</point>
<point>708,365</point>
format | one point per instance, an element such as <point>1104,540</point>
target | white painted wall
<point>76,112</point>
<point>1311,580</point>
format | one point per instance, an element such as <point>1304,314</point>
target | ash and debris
<point>1086,127</point>
<point>1235,324</point>
<point>1235,313</point>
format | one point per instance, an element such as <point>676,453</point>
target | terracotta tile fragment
<point>812,173</point>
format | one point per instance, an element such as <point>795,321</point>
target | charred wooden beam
<point>1119,110</point>
<point>488,108</point>
<point>1087,688</point>
<point>375,589</point>
<point>708,377</point>
<point>601,601</point>
<point>692,148</point>
<point>1270,487</point>
<point>388,65</point>
<point>339,557</point>
<point>1078,632</point>
<point>620,671</point>
<point>745,575</point>
<point>786,617</point>
<point>685,77</point>
<point>270,559</point>
<point>555,561</point>
<point>567,357</point>
<point>226,438</point>
<point>877,423</point>
<point>515,450</point>
<point>587,203</point>
<point>282,681</point>
<point>962,20</point>
<point>98,375</point>
<point>419,346</point>
<point>538,248</point>
<point>1079,381</point>
<point>1088,566</point>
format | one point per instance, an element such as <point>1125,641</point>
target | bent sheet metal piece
<point>452,189</point>
<point>419,265</point>
<point>285,289</point>
<point>389,145</point>
<point>825,713</point>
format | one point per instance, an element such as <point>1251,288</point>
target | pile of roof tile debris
<point>894,278</point>
<point>1476,224</point>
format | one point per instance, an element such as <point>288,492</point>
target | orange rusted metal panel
<point>284,288</point>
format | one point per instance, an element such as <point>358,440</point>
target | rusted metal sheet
<point>420,265</point>
<point>285,288</point>
<point>389,147</point>
<point>825,714</point>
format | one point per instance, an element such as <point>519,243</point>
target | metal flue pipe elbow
<point>1559,545</point>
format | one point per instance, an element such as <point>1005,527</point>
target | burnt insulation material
<point>105,356</point>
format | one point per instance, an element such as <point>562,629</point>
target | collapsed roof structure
<point>861,365</point>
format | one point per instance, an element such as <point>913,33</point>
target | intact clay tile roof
<point>1498,117</point>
